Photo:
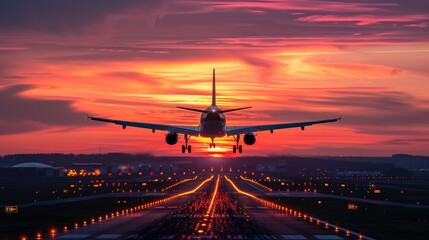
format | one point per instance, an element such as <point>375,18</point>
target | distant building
<point>30,170</point>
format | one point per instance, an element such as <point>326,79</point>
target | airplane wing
<point>190,130</point>
<point>271,127</point>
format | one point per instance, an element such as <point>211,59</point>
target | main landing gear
<point>212,144</point>
<point>237,146</point>
<point>186,146</point>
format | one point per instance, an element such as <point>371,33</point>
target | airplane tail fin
<point>213,100</point>
<point>214,89</point>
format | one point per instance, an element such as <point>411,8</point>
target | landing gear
<point>237,145</point>
<point>186,146</point>
<point>212,144</point>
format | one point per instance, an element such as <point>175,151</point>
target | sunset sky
<point>294,60</point>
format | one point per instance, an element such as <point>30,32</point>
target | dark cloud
<point>382,108</point>
<point>406,141</point>
<point>373,112</point>
<point>382,100</point>
<point>62,16</point>
<point>21,114</point>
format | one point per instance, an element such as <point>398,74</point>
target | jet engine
<point>249,139</point>
<point>171,138</point>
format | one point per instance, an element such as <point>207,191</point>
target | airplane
<point>212,125</point>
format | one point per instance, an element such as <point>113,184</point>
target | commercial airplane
<point>213,125</point>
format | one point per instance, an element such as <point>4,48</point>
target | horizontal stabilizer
<point>234,109</point>
<point>193,109</point>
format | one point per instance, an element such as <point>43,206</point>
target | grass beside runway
<point>378,221</point>
<point>42,219</point>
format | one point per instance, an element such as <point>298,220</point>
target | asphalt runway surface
<point>215,211</point>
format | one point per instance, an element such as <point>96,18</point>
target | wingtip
<point>340,118</point>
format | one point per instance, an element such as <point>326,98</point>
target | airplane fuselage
<point>212,123</point>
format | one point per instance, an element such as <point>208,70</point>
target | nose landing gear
<point>237,146</point>
<point>186,146</point>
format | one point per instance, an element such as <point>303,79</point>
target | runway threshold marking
<point>293,237</point>
<point>74,236</point>
<point>327,237</point>
<point>109,236</point>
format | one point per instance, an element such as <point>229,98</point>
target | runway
<point>122,227</point>
<point>215,211</point>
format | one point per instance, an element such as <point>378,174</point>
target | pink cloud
<point>300,5</point>
<point>418,25</point>
<point>13,48</point>
<point>362,20</point>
